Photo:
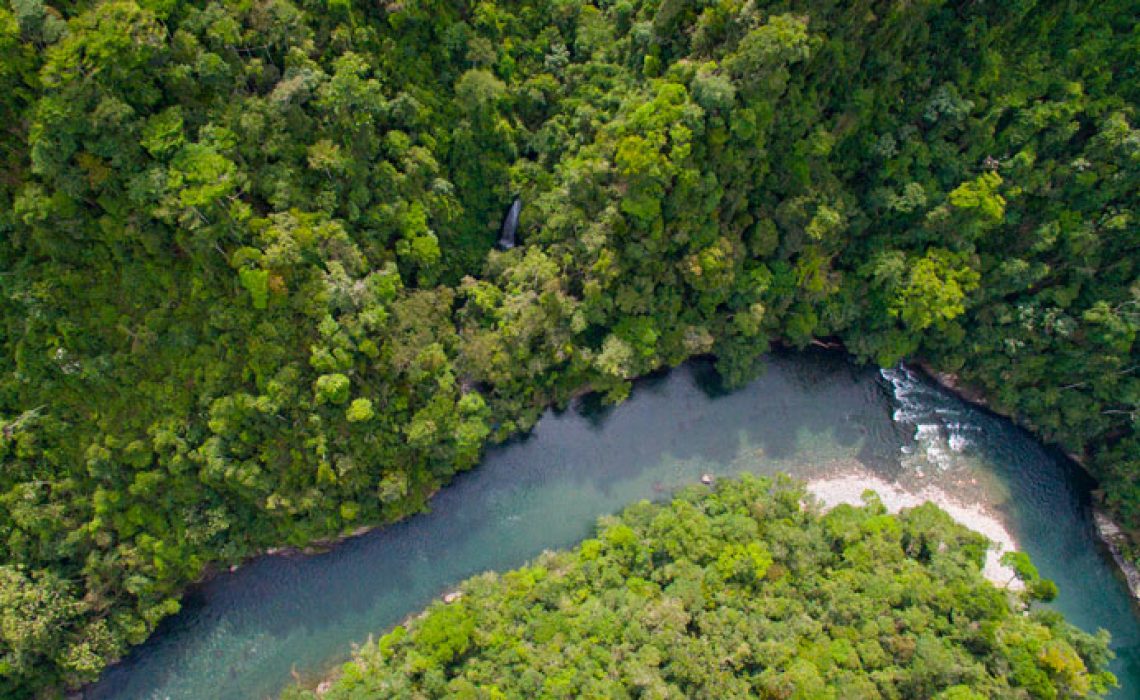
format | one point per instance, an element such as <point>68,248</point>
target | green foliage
<point>741,592</point>
<point>934,291</point>
<point>256,282</point>
<point>951,181</point>
<point>360,411</point>
<point>331,388</point>
<point>981,194</point>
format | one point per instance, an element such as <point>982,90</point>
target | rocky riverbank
<point>849,485</point>
<point>1113,536</point>
<point>1115,540</point>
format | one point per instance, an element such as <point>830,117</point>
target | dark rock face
<point>507,239</point>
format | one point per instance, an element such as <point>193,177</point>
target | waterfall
<point>507,238</point>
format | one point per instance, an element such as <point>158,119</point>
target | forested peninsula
<point>250,296</point>
<point>741,593</point>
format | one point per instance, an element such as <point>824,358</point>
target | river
<point>242,635</point>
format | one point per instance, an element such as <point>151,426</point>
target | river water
<point>243,635</point>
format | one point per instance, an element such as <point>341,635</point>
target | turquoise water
<point>244,635</point>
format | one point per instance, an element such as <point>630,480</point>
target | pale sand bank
<point>848,487</point>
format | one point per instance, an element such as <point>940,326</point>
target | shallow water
<point>242,635</point>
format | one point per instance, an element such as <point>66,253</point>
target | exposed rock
<point>952,382</point>
<point>848,487</point>
<point>1114,538</point>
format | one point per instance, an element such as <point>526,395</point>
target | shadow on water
<point>240,634</point>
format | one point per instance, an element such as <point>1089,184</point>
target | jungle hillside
<point>249,295</point>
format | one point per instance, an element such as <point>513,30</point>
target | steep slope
<point>249,292</point>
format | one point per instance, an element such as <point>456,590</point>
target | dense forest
<point>249,290</point>
<point>741,593</point>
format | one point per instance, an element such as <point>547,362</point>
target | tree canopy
<point>249,295</point>
<point>741,593</point>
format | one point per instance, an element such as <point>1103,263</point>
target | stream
<point>246,634</point>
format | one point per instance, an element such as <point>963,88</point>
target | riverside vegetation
<point>741,593</point>
<point>250,297</point>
